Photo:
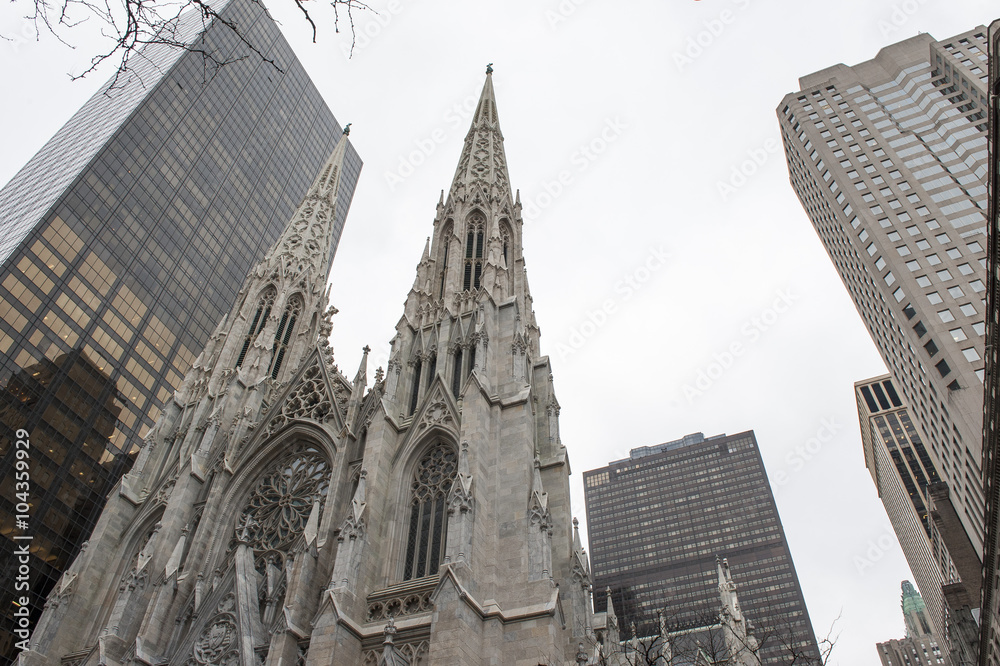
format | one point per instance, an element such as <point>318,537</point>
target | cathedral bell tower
<point>280,513</point>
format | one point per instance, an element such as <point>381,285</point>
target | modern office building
<point>122,243</point>
<point>903,472</point>
<point>889,160</point>
<point>658,520</point>
<point>989,637</point>
<point>920,646</point>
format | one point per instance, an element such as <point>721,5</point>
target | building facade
<point>281,513</point>
<point>658,521</point>
<point>122,242</point>
<point>903,473</point>
<point>888,158</point>
<point>989,638</point>
<point>920,646</point>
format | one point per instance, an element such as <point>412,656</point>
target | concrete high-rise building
<point>658,520</point>
<point>920,646</point>
<point>122,242</point>
<point>989,638</point>
<point>889,160</point>
<point>903,472</point>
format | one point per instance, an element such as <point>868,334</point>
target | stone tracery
<point>280,504</point>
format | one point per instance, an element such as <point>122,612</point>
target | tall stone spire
<point>482,166</point>
<point>304,246</point>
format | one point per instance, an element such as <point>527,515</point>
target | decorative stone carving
<point>436,414</point>
<point>163,494</point>
<point>309,400</point>
<point>218,644</point>
<point>408,604</point>
<point>279,506</point>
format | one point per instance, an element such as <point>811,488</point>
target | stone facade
<point>281,513</point>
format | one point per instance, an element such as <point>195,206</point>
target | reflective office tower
<point>122,242</point>
<point>989,643</point>
<point>658,520</point>
<point>920,646</point>
<point>903,473</point>
<point>889,160</point>
<point>281,513</point>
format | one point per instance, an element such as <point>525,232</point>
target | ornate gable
<point>312,396</point>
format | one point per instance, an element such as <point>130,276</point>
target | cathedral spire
<point>304,245</point>
<point>483,166</point>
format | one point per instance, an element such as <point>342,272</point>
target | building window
<point>456,377</point>
<point>432,481</point>
<point>415,394</point>
<point>474,251</point>
<point>284,333</point>
<point>264,306</point>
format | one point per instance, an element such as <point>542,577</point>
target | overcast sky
<point>620,126</point>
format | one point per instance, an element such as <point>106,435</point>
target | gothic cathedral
<point>281,514</point>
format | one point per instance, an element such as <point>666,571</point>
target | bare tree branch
<point>131,25</point>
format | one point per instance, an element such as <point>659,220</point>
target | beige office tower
<point>889,160</point>
<point>903,473</point>
<point>920,646</point>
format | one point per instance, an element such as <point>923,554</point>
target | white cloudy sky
<point>664,126</point>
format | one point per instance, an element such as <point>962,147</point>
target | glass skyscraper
<point>122,244</point>
<point>658,520</point>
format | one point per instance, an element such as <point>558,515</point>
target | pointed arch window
<point>264,306</point>
<point>284,334</point>
<point>415,394</point>
<point>474,252</point>
<point>446,240</point>
<point>456,377</point>
<point>432,368</point>
<point>505,242</point>
<point>432,481</point>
